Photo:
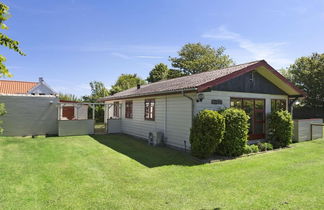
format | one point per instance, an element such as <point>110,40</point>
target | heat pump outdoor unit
<point>155,138</point>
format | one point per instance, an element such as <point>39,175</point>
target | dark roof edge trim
<point>149,94</point>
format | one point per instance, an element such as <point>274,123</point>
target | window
<point>149,110</point>
<point>129,109</point>
<point>116,109</point>
<point>278,104</point>
<point>255,109</point>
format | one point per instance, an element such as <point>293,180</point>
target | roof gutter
<point>149,94</point>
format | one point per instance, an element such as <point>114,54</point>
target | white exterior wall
<point>75,127</point>
<point>81,113</point>
<point>302,129</point>
<point>226,96</point>
<point>173,114</point>
<point>172,117</point>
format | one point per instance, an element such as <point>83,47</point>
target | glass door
<point>255,109</point>
<point>259,119</point>
<point>248,107</point>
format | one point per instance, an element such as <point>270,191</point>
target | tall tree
<point>308,74</point>
<point>196,57</point>
<point>159,72</point>
<point>174,73</point>
<point>6,41</point>
<point>286,73</point>
<point>98,90</point>
<point>126,81</point>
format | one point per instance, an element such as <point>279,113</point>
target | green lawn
<point>118,172</point>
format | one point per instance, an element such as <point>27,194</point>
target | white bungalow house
<point>167,107</point>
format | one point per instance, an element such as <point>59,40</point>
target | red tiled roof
<point>15,87</point>
<point>196,82</point>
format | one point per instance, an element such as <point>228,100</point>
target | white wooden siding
<point>172,117</point>
<point>179,119</point>
<point>173,114</point>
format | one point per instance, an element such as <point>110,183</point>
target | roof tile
<point>178,84</point>
<point>15,87</point>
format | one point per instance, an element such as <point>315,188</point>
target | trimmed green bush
<point>247,149</point>
<point>236,132</point>
<point>206,133</point>
<point>265,146</point>
<point>2,112</point>
<point>280,128</point>
<point>250,149</point>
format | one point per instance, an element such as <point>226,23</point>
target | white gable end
<point>41,89</point>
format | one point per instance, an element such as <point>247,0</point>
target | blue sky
<point>72,42</point>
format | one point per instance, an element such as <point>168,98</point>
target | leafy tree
<point>159,72</point>
<point>98,90</point>
<point>286,73</point>
<point>5,40</point>
<point>69,97</point>
<point>308,74</point>
<point>9,43</point>
<point>196,57</point>
<point>174,73</point>
<point>126,81</point>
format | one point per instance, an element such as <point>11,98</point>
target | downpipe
<point>192,114</point>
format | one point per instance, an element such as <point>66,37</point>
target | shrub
<point>250,149</point>
<point>206,133</point>
<point>2,112</point>
<point>280,128</point>
<point>236,132</point>
<point>265,146</point>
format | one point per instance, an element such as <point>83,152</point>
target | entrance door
<point>255,109</point>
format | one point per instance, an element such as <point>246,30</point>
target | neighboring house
<point>168,106</point>
<point>73,110</point>
<point>27,88</point>
<point>31,108</point>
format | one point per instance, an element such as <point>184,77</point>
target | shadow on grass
<point>145,154</point>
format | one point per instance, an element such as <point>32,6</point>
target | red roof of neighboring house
<point>199,82</point>
<point>15,87</point>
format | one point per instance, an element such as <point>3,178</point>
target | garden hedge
<point>206,133</point>
<point>280,128</point>
<point>236,132</point>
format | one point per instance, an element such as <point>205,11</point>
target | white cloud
<point>121,55</point>
<point>273,52</point>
